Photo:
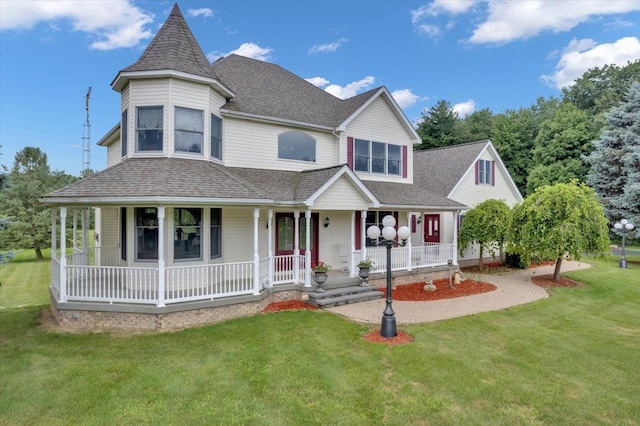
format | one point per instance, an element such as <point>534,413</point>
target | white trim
<point>344,170</point>
<point>123,78</point>
<point>271,120</point>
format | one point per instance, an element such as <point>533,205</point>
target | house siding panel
<point>252,144</point>
<point>342,195</point>
<point>114,153</point>
<point>109,227</point>
<point>379,123</point>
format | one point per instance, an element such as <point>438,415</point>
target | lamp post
<point>388,326</point>
<point>623,227</point>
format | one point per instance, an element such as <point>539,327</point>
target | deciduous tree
<point>486,225</point>
<point>563,219</point>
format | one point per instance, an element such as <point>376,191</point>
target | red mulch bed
<point>288,305</point>
<point>401,339</point>
<point>547,281</point>
<point>415,291</point>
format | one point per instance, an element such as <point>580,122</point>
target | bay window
<point>189,130</point>
<point>149,128</point>
<point>216,137</point>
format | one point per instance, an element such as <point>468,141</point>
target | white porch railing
<point>89,279</point>
<point>404,258</point>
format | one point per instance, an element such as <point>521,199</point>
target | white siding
<point>109,227</point>
<point>114,153</point>
<point>379,123</point>
<point>339,231</point>
<point>342,195</point>
<point>148,93</point>
<point>253,144</point>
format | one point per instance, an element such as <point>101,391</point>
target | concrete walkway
<point>513,288</point>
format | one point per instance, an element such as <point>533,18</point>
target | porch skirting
<point>97,317</point>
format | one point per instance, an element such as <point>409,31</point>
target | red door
<point>285,227</point>
<point>432,228</point>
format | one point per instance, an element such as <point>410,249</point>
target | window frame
<point>217,137</point>
<point>158,129</point>
<point>187,234</point>
<point>377,159</point>
<point>295,145</point>
<point>124,133</point>
<point>214,254</point>
<point>485,172</point>
<point>185,130</point>
<point>147,226</point>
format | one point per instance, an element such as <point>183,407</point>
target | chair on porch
<point>344,256</point>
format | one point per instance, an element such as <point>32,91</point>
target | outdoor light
<point>623,227</point>
<point>388,327</point>
<point>327,222</point>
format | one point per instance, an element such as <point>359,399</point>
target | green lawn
<point>569,359</point>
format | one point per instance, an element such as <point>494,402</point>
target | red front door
<point>432,228</point>
<point>285,227</point>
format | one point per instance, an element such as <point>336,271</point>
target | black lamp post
<point>623,227</point>
<point>388,328</point>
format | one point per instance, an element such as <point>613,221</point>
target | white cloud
<point>318,81</point>
<point>581,55</point>
<point>205,12</point>
<point>428,29</point>
<point>464,108</point>
<point>351,89</point>
<point>114,24</point>
<point>329,47</point>
<point>249,50</point>
<point>405,97</point>
<point>438,7</point>
<point>512,20</point>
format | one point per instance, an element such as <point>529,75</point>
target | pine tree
<point>615,162</point>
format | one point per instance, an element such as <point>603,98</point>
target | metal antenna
<point>86,138</point>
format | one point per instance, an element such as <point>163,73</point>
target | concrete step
<point>343,296</point>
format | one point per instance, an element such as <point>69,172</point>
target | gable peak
<point>176,11</point>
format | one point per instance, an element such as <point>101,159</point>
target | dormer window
<point>189,129</point>
<point>378,157</point>
<point>149,128</point>
<point>296,146</point>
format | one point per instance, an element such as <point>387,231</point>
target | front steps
<point>343,296</point>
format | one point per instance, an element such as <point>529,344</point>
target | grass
<point>25,281</point>
<point>569,359</point>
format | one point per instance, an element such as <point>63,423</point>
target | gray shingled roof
<point>439,170</point>
<point>398,194</point>
<point>268,90</point>
<point>174,48</point>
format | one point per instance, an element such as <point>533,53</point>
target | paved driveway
<point>513,288</point>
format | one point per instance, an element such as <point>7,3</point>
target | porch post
<point>408,246</point>
<point>307,254</point>
<point>363,234</point>
<point>456,215</point>
<point>86,215</point>
<point>161,282</point>
<point>54,233</point>
<point>352,243</point>
<point>74,241</point>
<point>296,244</point>
<point>256,255</point>
<point>63,254</point>
<point>270,244</point>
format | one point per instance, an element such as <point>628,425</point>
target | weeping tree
<point>554,221</point>
<point>485,225</point>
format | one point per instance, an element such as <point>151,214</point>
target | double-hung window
<point>216,137</point>
<point>377,157</point>
<point>188,231</point>
<point>146,233</point>
<point>124,130</point>
<point>189,130</point>
<point>149,128</point>
<point>296,146</point>
<point>484,172</point>
<point>216,233</point>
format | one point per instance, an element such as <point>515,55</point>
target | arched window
<point>296,146</point>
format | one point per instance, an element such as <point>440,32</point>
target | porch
<point>94,275</point>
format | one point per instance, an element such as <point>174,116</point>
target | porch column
<point>54,233</point>
<point>296,244</point>
<point>307,254</point>
<point>352,243</point>
<point>86,216</point>
<point>63,254</point>
<point>161,282</point>
<point>74,241</point>
<point>363,234</point>
<point>408,246</point>
<point>256,255</point>
<point>456,215</point>
<point>270,244</point>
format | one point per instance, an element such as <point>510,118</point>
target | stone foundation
<point>111,318</point>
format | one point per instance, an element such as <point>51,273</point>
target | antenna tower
<point>86,138</point>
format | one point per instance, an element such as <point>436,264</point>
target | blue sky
<point>475,54</point>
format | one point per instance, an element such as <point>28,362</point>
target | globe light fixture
<point>388,327</point>
<point>623,227</point>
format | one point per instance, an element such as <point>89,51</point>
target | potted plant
<point>365,270</point>
<point>320,274</point>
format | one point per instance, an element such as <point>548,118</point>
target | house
<point>469,174</point>
<point>225,184</point>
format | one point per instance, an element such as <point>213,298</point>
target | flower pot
<point>364,273</point>
<point>320,278</point>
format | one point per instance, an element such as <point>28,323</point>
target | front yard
<point>569,359</point>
